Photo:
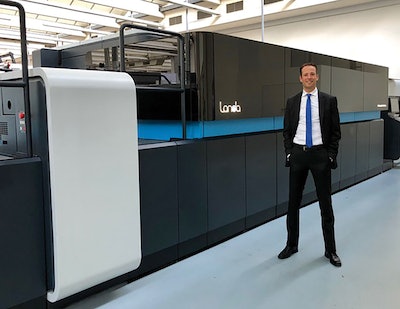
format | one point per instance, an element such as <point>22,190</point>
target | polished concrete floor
<point>245,273</point>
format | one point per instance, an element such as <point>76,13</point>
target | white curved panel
<point>94,177</point>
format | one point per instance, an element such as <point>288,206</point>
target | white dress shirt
<point>300,137</point>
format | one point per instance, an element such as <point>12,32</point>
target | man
<point>311,139</point>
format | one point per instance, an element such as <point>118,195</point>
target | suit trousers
<point>316,160</point>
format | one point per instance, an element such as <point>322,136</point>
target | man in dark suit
<point>311,139</point>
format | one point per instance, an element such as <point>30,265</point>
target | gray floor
<point>245,272</point>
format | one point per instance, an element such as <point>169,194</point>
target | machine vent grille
<point>3,128</point>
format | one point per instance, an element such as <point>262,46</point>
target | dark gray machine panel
<point>192,196</point>
<point>12,121</point>
<point>348,85</point>
<point>22,245</point>
<point>391,137</point>
<point>249,73</point>
<point>226,187</point>
<point>343,82</point>
<point>348,145</point>
<point>158,199</point>
<point>260,178</point>
<point>375,87</point>
<point>375,147</point>
<point>362,152</point>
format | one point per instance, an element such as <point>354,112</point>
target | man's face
<point>309,78</point>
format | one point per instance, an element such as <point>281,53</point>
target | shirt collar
<point>313,93</point>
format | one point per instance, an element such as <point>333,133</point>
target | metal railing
<point>180,39</point>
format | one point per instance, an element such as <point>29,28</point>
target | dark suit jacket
<point>329,119</point>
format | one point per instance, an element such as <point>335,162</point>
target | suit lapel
<point>297,109</point>
<point>321,107</point>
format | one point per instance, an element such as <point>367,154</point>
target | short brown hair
<point>308,64</point>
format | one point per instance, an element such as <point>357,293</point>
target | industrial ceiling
<point>53,23</point>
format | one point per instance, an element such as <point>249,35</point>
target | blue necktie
<point>308,122</point>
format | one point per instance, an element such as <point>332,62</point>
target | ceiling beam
<point>35,24</point>
<point>45,25</point>
<point>41,7</point>
<point>31,37</point>
<point>58,26</point>
<point>17,46</point>
<point>138,6</point>
<point>194,6</point>
<point>70,13</point>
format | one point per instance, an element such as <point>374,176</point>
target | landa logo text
<point>227,108</point>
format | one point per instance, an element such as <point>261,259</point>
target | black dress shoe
<point>287,252</point>
<point>333,258</point>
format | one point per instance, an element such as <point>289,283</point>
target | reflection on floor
<point>245,272</point>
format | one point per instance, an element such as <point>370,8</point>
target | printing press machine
<point>148,146</point>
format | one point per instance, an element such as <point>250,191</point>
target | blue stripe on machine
<point>167,129</point>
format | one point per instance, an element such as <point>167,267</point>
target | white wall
<point>371,35</point>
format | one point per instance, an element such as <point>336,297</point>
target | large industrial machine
<point>123,154</point>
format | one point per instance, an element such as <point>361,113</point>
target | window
<point>175,20</point>
<point>271,1</point>
<point>201,15</point>
<point>233,7</point>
